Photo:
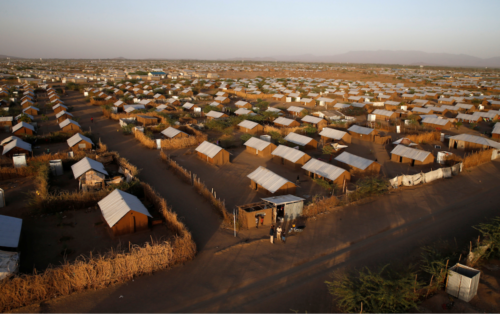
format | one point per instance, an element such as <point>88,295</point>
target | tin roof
<point>10,231</point>
<point>248,124</point>
<point>496,128</point>
<point>312,119</point>
<point>332,133</point>
<point>476,139</point>
<point>382,112</point>
<point>171,132</point>
<point>298,139</point>
<point>360,129</point>
<point>86,164</point>
<point>241,103</point>
<point>436,121</point>
<point>208,149</point>
<point>283,199</point>
<point>267,179</point>
<point>353,160</point>
<point>77,138</point>
<point>257,143</point>
<point>411,153</point>
<point>59,105</point>
<point>288,153</point>
<point>188,105</point>
<point>117,204</point>
<point>215,114</point>
<point>16,143</point>
<point>9,139</point>
<point>23,124</point>
<point>295,109</point>
<point>67,122</point>
<point>283,121</point>
<point>323,169</point>
<point>61,113</point>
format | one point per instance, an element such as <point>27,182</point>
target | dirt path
<point>277,278</point>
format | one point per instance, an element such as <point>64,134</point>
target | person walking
<point>271,234</point>
<point>261,220</point>
<point>283,237</point>
<point>256,221</point>
<point>92,120</point>
<point>278,233</point>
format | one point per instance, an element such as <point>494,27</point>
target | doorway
<point>135,229</point>
<point>455,145</point>
<point>413,162</point>
<point>400,158</point>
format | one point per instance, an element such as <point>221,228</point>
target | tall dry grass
<point>477,158</point>
<point>146,141</point>
<point>283,131</point>
<point>424,137</point>
<point>320,206</point>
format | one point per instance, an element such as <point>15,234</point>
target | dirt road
<point>262,277</point>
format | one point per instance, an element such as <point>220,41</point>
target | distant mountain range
<point>390,57</point>
<point>376,57</point>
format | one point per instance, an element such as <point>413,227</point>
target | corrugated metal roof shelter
<point>171,132</point>
<point>290,156</point>
<point>69,124</point>
<point>124,212</point>
<point>288,206</point>
<point>301,140</point>
<point>273,183</point>
<point>404,154</point>
<point>77,138</point>
<point>494,134</point>
<point>10,231</point>
<point>215,114</point>
<point>16,146</point>
<point>212,153</point>
<point>357,164</point>
<point>243,111</point>
<point>9,139</point>
<point>130,108</point>
<point>285,122</point>
<point>312,119</point>
<point>250,127</point>
<point>86,164</point>
<point>325,170</point>
<point>256,146</point>
<point>468,141</point>
<point>437,122</point>
<point>22,124</point>
<point>360,130</point>
<point>337,135</point>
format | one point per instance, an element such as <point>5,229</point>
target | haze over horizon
<point>258,29</point>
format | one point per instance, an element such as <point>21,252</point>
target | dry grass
<point>123,115</point>
<point>320,206</point>
<point>198,138</point>
<point>146,141</point>
<point>424,137</point>
<point>283,131</point>
<point>477,158</point>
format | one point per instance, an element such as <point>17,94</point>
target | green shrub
<point>491,236</point>
<point>127,129</point>
<point>383,291</point>
<point>245,137</point>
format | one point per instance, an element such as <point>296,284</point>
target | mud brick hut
<point>471,142</point>
<point>63,115</point>
<point>124,213</point>
<point>437,123</point>
<point>90,173</point>
<point>316,122</point>
<point>16,146</point>
<point>259,147</point>
<point>69,126</point>
<point>413,156</point>
<point>328,134</point>
<point>290,157</point>
<point>303,141</point>
<point>23,128</point>
<point>212,153</point>
<point>171,133</point>
<point>285,123</point>
<point>58,108</point>
<point>322,170</point>
<point>274,184</point>
<point>362,133</point>
<point>31,110</point>
<point>80,142</point>
<point>250,127</point>
<point>358,165</point>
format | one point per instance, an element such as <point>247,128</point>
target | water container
<point>266,138</point>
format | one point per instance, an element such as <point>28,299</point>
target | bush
<point>311,130</point>
<point>324,184</point>
<point>491,235</point>
<point>370,186</point>
<point>245,137</point>
<point>384,291</point>
<point>127,129</point>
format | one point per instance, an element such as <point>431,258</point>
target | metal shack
<point>463,282</point>
<point>286,207</point>
<point>291,157</point>
<point>79,142</point>
<point>124,212</point>
<point>90,173</point>
<point>301,140</point>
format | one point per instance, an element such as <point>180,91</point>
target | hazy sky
<point>227,29</point>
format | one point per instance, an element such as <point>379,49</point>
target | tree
<point>24,118</point>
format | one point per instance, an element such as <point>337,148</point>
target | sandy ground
<point>262,277</point>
